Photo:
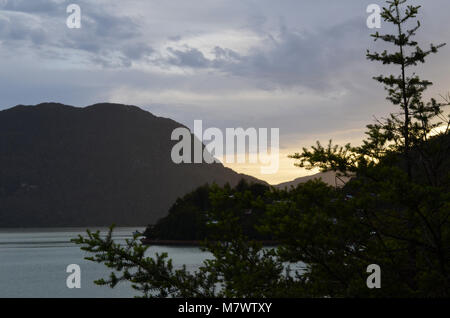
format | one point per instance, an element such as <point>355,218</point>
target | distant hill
<point>328,177</point>
<point>94,166</point>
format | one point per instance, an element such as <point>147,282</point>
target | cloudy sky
<point>297,65</point>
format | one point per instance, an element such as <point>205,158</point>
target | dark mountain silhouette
<point>328,177</point>
<point>102,164</point>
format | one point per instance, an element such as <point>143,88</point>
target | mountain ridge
<point>328,177</point>
<point>105,163</point>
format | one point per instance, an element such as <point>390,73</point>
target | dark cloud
<point>17,27</point>
<point>190,57</point>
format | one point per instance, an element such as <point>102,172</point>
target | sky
<point>296,65</point>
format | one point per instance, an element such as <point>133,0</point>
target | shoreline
<point>189,242</point>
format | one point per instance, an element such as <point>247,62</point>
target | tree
<point>403,199</point>
<point>415,123</point>
<point>402,131</point>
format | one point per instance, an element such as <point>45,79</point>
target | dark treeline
<point>190,217</point>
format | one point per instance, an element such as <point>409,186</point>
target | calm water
<point>33,263</point>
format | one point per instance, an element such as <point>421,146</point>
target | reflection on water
<point>33,263</point>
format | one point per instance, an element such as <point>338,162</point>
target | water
<point>33,263</point>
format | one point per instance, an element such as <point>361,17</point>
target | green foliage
<point>186,219</point>
<point>153,277</point>
<point>189,217</point>
<point>338,233</point>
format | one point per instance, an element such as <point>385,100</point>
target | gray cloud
<point>105,37</point>
<point>288,58</point>
<point>304,58</point>
<point>190,57</point>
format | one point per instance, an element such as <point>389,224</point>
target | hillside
<point>102,164</point>
<point>328,177</point>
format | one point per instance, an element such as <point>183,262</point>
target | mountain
<point>93,166</point>
<point>328,177</point>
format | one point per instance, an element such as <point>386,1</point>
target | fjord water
<point>33,263</point>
